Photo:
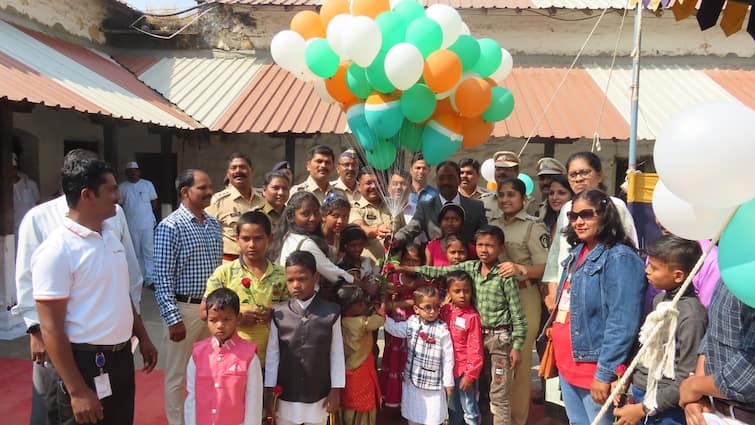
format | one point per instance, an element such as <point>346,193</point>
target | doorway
<point>160,169</point>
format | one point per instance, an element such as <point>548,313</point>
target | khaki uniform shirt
<point>478,193</point>
<point>227,206</point>
<point>372,216</point>
<point>526,240</point>
<point>311,186</point>
<point>533,207</point>
<point>270,212</point>
<point>351,195</point>
<point>490,202</point>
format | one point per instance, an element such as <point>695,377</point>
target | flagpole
<point>632,159</point>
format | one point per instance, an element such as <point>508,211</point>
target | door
<point>160,169</point>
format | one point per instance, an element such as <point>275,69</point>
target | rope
<point>653,327</point>
<point>563,80</point>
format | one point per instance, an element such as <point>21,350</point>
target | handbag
<point>547,367</point>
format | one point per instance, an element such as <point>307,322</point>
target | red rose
<point>621,370</point>
<point>246,282</point>
<point>277,390</point>
<point>423,336</point>
<point>431,340</point>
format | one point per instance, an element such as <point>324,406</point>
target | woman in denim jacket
<point>597,314</point>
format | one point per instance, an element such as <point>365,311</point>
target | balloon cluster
<point>704,158</point>
<point>407,77</point>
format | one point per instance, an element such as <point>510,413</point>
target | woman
<point>524,258</point>
<point>559,194</point>
<point>335,217</point>
<point>584,171</point>
<point>598,306</point>
<point>275,190</point>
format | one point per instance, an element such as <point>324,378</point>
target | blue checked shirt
<point>729,346</point>
<point>186,254</point>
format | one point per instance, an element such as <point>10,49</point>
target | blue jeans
<point>673,416</point>
<point>462,407</point>
<point>580,408</point>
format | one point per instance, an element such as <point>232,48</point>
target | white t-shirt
<point>325,267</point>
<point>88,269</point>
<point>136,200</point>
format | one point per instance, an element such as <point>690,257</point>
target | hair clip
<point>329,198</point>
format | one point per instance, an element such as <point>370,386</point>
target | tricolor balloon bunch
<point>705,157</point>
<point>408,77</point>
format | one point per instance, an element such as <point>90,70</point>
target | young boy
<point>258,282</point>
<point>503,324</point>
<point>364,269</point>
<point>305,348</point>
<point>670,260</point>
<point>224,376</point>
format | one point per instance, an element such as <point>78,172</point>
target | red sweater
<point>466,336</point>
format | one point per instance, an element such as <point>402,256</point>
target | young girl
<point>450,219</point>
<point>465,327</point>
<point>361,396</point>
<point>456,250</point>
<point>429,363</point>
<point>335,217</point>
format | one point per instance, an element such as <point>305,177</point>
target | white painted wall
<point>80,18</point>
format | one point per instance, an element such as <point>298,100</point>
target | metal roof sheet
<point>739,82</point>
<point>462,4</point>
<point>79,78</point>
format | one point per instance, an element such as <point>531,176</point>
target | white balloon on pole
<point>334,32</point>
<point>505,68</point>
<point>361,40</point>
<point>403,65</point>
<point>487,170</point>
<point>319,85</point>
<point>705,153</point>
<point>287,50</point>
<point>448,19</point>
<point>684,219</point>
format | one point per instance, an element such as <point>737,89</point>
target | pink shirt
<point>466,335</point>
<point>438,255</point>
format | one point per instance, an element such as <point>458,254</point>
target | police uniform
<point>526,244</point>
<point>270,212</point>
<point>227,206</point>
<point>372,216</point>
<point>351,195</point>
<point>478,193</point>
<point>490,202</point>
<point>311,186</point>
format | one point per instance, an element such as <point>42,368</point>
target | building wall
<point>80,18</point>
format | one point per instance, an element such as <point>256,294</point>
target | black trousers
<point>118,408</point>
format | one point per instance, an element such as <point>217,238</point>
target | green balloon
<point>418,103</point>
<point>409,10</point>
<point>490,57</point>
<point>376,75</point>
<point>356,80</point>
<point>501,105</point>
<point>468,50</point>
<point>410,136</point>
<point>393,29</point>
<point>382,156</point>
<point>425,34</point>
<point>320,58</point>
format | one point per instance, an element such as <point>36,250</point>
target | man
<point>419,189</point>
<point>36,227</point>
<point>546,169</point>
<point>236,199</point>
<point>722,390</point>
<point>81,289</point>
<point>373,215</point>
<point>25,193</point>
<point>139,199</point>
<point>470,176</point>
<point>275,190</point>
<point>319,165</point>
<point>506,166</point>
<point>398,191</point>
<point>347,168</point>
<point>447,177</point>
<point>188,248</point>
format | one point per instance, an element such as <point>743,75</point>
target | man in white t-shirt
<point>139,199</point>
<point>81,289</point>
<point>25,194</point>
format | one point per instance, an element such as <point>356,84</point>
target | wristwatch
<point>32,329</point>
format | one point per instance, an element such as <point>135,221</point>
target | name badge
<point>370,216</point>
<point>460,323</point>
<point>235,214</point>
<point>563,306</point>
<point>102,385</point>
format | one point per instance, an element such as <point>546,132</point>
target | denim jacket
<point>607,292</point>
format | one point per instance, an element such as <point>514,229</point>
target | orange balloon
<point>337,87</point>
<point>307,23</point>
<point>449,120</point>
<point>472,97</point>
<point>331,8</point>
<point>491,81</point>
<point>475,131</point>
<point>371,8</point>
<point>443,106</point>
<point>442,70</point>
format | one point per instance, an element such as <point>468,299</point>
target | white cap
<point>131,165</point>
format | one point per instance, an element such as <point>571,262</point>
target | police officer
<point>275,190</point>
<point>347,168</point>
<point>546,169</point>
<point>237,198</point>
<point>373,215</point>
<point>506,165</point>
<point>320,166</point>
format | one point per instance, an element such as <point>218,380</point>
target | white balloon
<point>361,40</point>
<point>403,65</point>
<point>334,32</point>
<point>705,154</point>
<point>465,29</point>
<point>504,69</point>
<point>319,85</point>
<point>487,170</point>
<point>287,49</point>
<point>448,19</point>
<point>684,219</point>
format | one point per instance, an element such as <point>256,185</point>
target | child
<point>670,260</point>
<point>457,251</point>
<point>466,335</point>
<point>450,219</point>
<point>353,241</point>
<point>258,282</point>
<point>503,324</point>
<point>224,377</point>
<point>361,396</point>
<point>305,348</point>
<point>429,363</point>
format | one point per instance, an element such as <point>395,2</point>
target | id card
<point>102,385</point>
<point>460,323</point>
<point>563,306</point>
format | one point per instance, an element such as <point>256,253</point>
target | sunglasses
<point>428,308</point>
<point>584,215</point>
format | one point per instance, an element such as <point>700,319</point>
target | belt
<point>498,330</point>
<point>230,257</point>
<point>99,348</point>
<point>188,299</point>
<point>731,410</point>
